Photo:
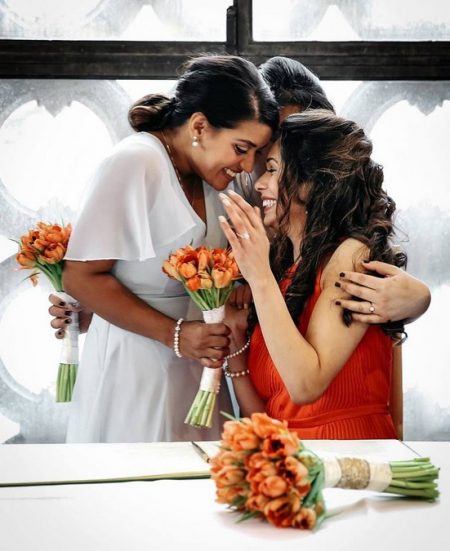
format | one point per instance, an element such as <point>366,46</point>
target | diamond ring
<point>244,235</point>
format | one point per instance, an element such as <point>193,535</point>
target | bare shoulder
<point>347,257</point>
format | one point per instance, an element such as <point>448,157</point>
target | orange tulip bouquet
<point>208,276</point>
<point>263,470</point>
<point>42,250</point>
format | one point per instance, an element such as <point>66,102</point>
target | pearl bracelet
<point>233,374</point>
<point>243,349</point>
<point>176,338</point>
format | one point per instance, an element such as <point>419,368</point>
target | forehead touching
<point>274,153</point>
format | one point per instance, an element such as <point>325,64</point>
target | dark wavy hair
<point>331,157</point>
<point>226,89</point>
<point>294,84</point>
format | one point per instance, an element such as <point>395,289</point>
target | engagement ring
<point>244,235</point>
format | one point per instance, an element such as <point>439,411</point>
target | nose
<point>248,162</point>
<point>261,183</point>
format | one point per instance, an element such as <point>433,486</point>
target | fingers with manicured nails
<point>232,238</point>
<point>363,280</point>
<point>381,268</point>
<point>238,217</point>
<point>360,311</point>
<point>250,213</point>
<point>353,289</point>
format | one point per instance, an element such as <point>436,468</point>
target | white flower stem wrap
<point>357,474</point>
<point>68,365</point>
<point>201,411</point>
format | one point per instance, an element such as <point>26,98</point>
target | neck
<point>179,141</point>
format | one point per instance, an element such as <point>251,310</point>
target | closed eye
<point>240,150</point>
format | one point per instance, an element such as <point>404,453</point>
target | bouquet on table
<point>263,470</point>
<point>208,276</point>
<point>42,250</point>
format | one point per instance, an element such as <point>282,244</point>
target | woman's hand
<point>241,297</point>
<point>247,238</point>
<point>396,296</point>
<point>237,320</point>
<point>62,315</point>
<point>208,343</point>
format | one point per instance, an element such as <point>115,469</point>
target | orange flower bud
<point>273,486</point>
<point>169,269</point>
<point>266,426</point>
<point>187,269</point>
<point>53,253</point>
<point>221,277</point>
<point>26,259</point>
<point>194,283</point>
<point>205,260</point>
<point>205,280</point>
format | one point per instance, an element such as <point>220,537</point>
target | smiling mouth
<point>230,172</point>
<point>268,203</point>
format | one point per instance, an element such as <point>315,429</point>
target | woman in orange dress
<point>327,374</point>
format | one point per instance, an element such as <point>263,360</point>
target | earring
<point>194,141</point>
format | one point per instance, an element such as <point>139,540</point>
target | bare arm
<point>306,365</point>
<point>95,287</point>
<point>249,400</point>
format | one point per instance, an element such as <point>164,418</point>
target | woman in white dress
<point>156,192</point>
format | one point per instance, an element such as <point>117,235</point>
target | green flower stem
<point>65,382</point>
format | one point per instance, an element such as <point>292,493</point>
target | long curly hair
<point>331,157</point>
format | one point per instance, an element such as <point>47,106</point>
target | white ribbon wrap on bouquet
<point>69,348</point>
<point>358,474</point>
<point>210,380</point>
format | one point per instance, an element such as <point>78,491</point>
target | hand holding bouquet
<point>263,470</point>
<point>42,250</point>
<point>208,276</point>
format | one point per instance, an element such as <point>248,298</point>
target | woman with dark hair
<point>157,191</point>
<point>308,361</point>
<point>396,295</point>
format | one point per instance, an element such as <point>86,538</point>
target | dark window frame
<point>365,60</point>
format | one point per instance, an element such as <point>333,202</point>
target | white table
<point>170,514</point>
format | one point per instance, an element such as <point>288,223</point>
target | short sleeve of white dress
<point>130,204</point>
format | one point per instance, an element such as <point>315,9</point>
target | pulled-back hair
<point>331,156</point>
<point>293,84</point>
<point>226,89</point>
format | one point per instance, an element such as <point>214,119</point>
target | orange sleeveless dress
<point>355,404</point>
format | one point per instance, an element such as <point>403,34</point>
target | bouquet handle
<point>69,357</point>
<point>202,409</point>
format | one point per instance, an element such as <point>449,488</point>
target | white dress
<point>131,388</point>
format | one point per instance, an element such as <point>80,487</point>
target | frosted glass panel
<point>197,20</point>
<point>351,20</point>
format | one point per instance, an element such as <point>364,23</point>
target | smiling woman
<point>154,193</point>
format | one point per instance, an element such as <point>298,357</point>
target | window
<point>67,82</point>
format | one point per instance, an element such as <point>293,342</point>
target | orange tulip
<point>221,277</point>
<point>282,510</point>
<point>194,283</point>
<point>239,436</point>
<point>53,253</point>
<point>26,259</point>
<point>266,426</point>
<point>187,269</point>
<point>169,269</point>
<point>280,445</point>
<point>204,259</point>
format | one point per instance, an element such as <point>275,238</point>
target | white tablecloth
<point>169,514</point>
